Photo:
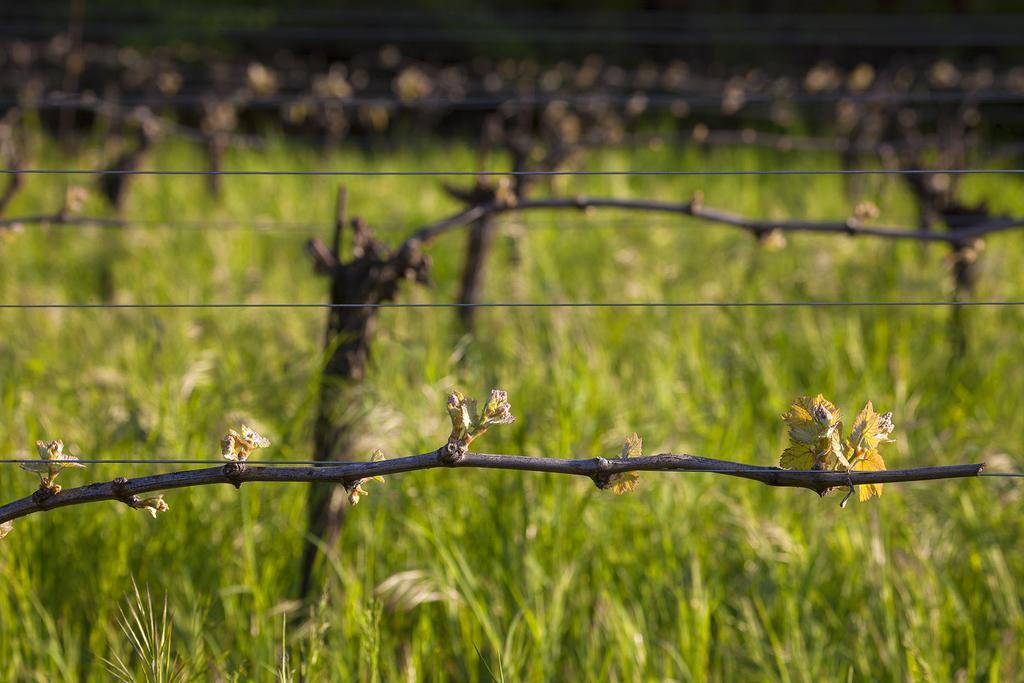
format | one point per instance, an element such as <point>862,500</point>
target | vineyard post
<point>479,241</point>
<point>14,183</point>
<point>964,253</point>
<point>114,186</point>
<point>219,119</point>
<point>937,200</point>
<point>479,238</point>
<point>371,276</point>
<point>215,146</point>
<point>12,152</point>
<point>74,63</point>
<point>326,511</point>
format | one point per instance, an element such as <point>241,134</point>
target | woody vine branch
<point>345,473</point>
<point>812,422</point>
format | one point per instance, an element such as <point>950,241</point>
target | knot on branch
<point>452,452</point>
<point>119,485</point>
<point>602,478</point>
<point>43,495</point>
<point>133,502</point>
<point>233,472</point>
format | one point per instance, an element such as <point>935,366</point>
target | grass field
<point>495,575</point>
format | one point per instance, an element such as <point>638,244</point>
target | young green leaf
<point>865,428</point>
<point>462,419</point>
<point>355,489</point>
<point>811,419</point>
<point>814,435</point>
<point>798,456</point>
<point>868,461</point>
<point>254,439</point>
<point>52,460</point>
<point>467,425</point>
<point>632,447</point>
<point>154,505</point>
<point>626,482</point>
<point>498,411</point>
<point>870,430</point>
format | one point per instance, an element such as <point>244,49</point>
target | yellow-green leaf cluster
<point>355,489</point>
<point>52,460</point>
<point>869,431</point>
<point>154,505</point>
<point>816,441</point>
<point>467,425</point>
<point>815,426</point>
<point>625,482</point>
<point>238,447</point>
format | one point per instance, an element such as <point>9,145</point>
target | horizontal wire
<point>524,304</point>
<point>758,172</point>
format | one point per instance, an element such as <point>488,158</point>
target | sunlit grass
<point>530,577</point>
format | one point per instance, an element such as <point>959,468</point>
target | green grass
<point>498,575</point>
